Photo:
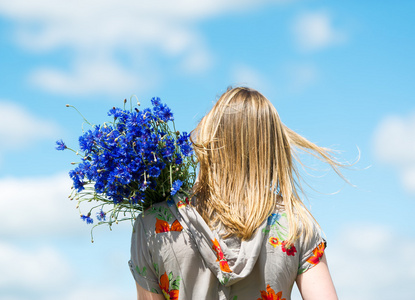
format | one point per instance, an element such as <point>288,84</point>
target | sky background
<point>339,73</point>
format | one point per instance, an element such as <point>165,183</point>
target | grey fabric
<point>175,253</point>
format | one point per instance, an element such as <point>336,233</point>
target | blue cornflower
<point>183,138</point>
<point>165,113</point>
<point>186,149</point>
<point>161,111</point>
<point>101,216</point>
<point>87,219</point>
<point>273,218</point>
<point>170,201</point>
<point>60,145</point>
<point>78,184</point>
<point>116,112</point>
<point>176,187</point>
<point>144,186</point>
<point>168,149</point>
<point>155,101</point>
<point>86,141</point>
<point>179,159</point>
<point>154,171</point>
<point>138,197</point>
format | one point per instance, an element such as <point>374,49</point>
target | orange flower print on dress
<point>274,241</point>
<point>176,226</point>
<point>165,288</point>
<point>269,294</point>
<point>317,254</point>
<point>163,226</point>
<point>223,264</point>
<point>289,249</point>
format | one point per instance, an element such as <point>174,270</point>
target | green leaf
<point>176,283</point>
<point>281,236</point>
<point>224,280</point>
<point>281,225</point>
<point>170,275</point>
<point>156,268</point>
<point>153,290</point>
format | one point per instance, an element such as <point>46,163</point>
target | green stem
<point>79,114</point>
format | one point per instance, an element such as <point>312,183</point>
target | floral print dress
<point>176,254</point>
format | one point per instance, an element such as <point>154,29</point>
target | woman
<point>245,233</point>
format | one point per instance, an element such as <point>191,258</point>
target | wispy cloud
<point>360,262</point>
<point>19,127</point>
<point>300,76</point>
<point>92,76</point>
<point>394,144</point>
<point>37,270</point>
<point>39,206</point>
<point>46,273</point>
<point>138,30</point>
<point>315,31</point>
<point>247,76</point>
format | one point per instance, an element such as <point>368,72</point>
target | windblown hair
<point>246,156</point>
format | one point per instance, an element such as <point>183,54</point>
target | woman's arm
<point>143,294</point>
<point>316,283</point>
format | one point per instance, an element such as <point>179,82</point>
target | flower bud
<point>125,100</point>
<point>67,105</point>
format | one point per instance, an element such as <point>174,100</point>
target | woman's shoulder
<point>159,218</point>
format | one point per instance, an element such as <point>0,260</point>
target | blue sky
<point>341,74</point>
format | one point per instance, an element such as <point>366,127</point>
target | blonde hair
<point>246,156</point>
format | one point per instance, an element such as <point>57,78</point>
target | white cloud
<point>247,76</point>
<point>136,29</point>
<point>43,273</point>
<point>39,207</point>
<point>371,262</point>
<point>42,269</point>
<point>19,127</point>
<point>103,76</point>
<point>301,76</point>
<point>315,31</point>
<point>100,292</point>
<point>394,144</point>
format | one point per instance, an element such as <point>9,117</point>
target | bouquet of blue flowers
<point>131,162</point>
